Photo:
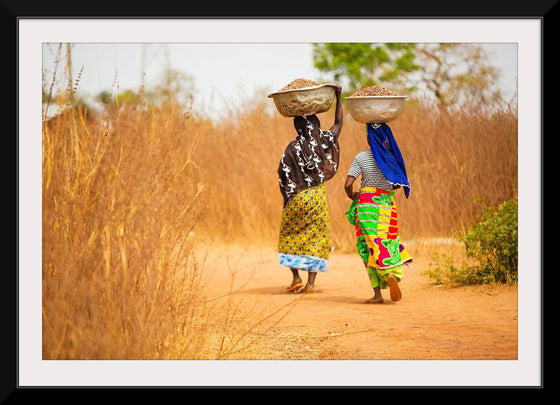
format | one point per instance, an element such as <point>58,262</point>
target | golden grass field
<point>130,195</point>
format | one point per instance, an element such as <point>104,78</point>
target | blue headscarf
<point>387,155</point>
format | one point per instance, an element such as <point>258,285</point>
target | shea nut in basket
<point>375,109</point>
<point>304,101</point>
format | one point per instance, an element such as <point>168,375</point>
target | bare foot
<point>394,288</point>
<point>308,289</point>
<point>374,300</point>
<point>294,286</point>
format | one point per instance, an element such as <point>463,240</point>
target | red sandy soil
<point>430,322</point>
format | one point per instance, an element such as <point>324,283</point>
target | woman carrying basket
<point>308,161</point>
<point>374,210</point>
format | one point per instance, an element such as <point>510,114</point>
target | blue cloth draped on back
<point>387,155</point>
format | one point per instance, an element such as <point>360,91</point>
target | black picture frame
<point>14,10</point>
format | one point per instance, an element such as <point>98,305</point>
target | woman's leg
<point>296,280</point>
<point>375,284</point>
<point>295,275</point>
<point>311,279</point>
<point>390,277</point>
<point>310,286</point>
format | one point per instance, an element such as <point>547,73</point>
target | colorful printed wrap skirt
<point>304,241</point>
<point>374,214</point>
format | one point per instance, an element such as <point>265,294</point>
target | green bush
<point>490,246</point>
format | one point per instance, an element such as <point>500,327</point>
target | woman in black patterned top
<point>306,164</point>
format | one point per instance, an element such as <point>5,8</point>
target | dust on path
<point>429,323</point>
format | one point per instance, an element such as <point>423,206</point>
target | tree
<point>449,72</point>
<point>453,72</point>
<point>357,65</point>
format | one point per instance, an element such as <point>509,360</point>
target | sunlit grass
<point>457,162</point>
<point>129,192</point>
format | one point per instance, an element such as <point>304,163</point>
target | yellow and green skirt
<point>304,241</point>
<point>374,214</point>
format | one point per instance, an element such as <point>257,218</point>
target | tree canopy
<point>448,72</point>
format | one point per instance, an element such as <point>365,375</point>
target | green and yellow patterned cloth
<point>374,215</point>
<point>304,241</point>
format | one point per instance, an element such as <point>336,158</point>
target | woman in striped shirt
<point>374,211</point>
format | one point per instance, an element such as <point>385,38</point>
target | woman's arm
<point>337,126</point>
<point>348,187</point>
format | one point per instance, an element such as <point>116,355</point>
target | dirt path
<point>429,323</point>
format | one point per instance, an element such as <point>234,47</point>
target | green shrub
<point>491,249</point>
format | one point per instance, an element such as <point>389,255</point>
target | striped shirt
<point>364,164</point>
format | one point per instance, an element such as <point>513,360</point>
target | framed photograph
<point>149,210</point>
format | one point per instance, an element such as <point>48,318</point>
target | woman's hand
<point>350,193</point>
<point>337,126</point>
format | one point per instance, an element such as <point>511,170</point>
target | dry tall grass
<point>123,201</point>
<point>453,159</point>
<point>119,205</point>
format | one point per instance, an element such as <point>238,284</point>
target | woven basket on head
<point>304,101</point>
<point>375,109</point>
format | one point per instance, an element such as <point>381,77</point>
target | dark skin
<point>337,126</point>
<point>335,129</point>
<point>348,187</point>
